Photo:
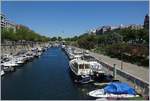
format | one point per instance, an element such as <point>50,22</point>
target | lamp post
<point>114,71</point>
<point>121,61</point>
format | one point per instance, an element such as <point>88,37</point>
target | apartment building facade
<point>5,23</point>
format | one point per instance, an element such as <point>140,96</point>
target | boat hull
<point>100,94</point>
<point>2,73</point>
<point>9,69</point>
<point>80,79</point>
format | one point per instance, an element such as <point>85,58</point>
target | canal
<point>45,78</point>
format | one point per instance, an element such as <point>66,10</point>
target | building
<point>98,31</point>
<point>92,31</point>
<point>114,27</point>
<point>146,22</point>
<point>123,26</point>
<point>18,26</point>
<point>10,24</point>
<point>132,26</point>
<point>103,29</point>
<point>136,26</point>
<point>5,23</point>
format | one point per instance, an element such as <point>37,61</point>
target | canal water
<point>45,78</point>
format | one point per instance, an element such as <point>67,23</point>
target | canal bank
<point>45,78</point>
<point>134,75</point>
<point>13,48</point>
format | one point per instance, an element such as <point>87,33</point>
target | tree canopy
<point>23,33</point>
<point>131,43</point>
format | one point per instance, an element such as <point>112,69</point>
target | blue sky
<point>68,18</point>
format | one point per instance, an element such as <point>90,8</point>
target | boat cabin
<point>80,67</point>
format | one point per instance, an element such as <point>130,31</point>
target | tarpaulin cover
<point>119,88</point>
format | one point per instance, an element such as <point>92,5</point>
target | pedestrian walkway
<point>138,71</point>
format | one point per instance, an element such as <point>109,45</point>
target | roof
<point>78,61</point>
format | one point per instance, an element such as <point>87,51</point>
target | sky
<point>68,18</point>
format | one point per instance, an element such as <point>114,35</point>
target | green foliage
<point>88,41</point>
<point>134,36</point>
<point>53,39</point>
<point>59,38</point>
<point>8,34</point>
<point>23,33</point>
<point>131,44</point>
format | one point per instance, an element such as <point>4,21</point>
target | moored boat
<point>114,90</point>
<point>11,63</point>
<point>81,70</point>
<point>2,72</point>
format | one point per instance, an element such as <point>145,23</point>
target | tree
<point>53,38</point>
<point>23,33</point>
<point>88,41</point>
<point>59,38</point>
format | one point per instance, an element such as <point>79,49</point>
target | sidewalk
<point>139,71</point>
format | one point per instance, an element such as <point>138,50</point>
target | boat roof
<point>79,61</point>
<point>77,52</point>
<point>77,56</point>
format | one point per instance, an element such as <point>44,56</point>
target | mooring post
<point>114,71</point>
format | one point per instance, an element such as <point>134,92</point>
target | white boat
<point>76,56</point>
<point>29,56</point>
<point>7,68</point>
<point>69,53</point>
<point>11,63</point>
<point>39,53</point>
<point>2,72</point>
<point>39,49</point>
<point>100,94</point>
<point>81,71</point>
<point>80,67</point>
<point>86,53</point>
<point>114,90</point>
<point>77,52</point>
<point>71,56</point>
<point>19,60</point>
<point>96,67</point>
<point>101,99</point>
<point>63,46</point>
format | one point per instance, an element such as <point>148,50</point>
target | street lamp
<point>121,61</point>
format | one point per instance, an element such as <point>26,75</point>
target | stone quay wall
<point>14,48</point>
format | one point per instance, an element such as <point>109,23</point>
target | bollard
<point>108,70</point>
<point>143,91</point>
<point>121,64</point>
<point>134,82</point>
<point>114,71</point>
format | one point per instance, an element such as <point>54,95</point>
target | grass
<point>136,98</point>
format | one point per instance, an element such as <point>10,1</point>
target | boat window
<point>81,66</point>
<point>75,65</point>
<point>87,66</point>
